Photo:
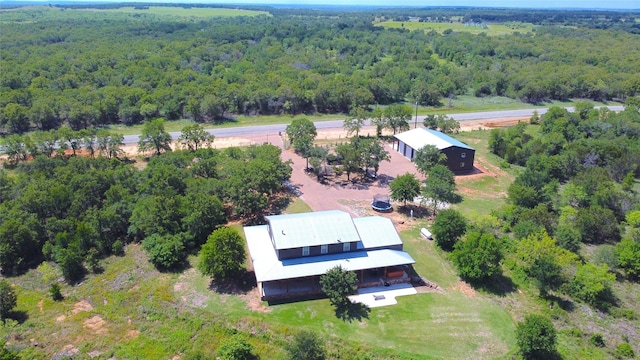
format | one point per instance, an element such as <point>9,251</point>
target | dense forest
<point>68,209</point>
<point>570,229</point>
<point>59,67</point>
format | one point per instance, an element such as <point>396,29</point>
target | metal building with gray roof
<point>291,252</point>
<point>460,156</point>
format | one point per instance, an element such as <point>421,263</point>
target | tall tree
<point>154,137</point>
<point>404,188</point>
<point>338,284</point>
<point>398,117</point>
<point>427,157</point>
<point>374,153</point>
<point>194,137</point>
<point>440,187</point>
<point>356,120</point>
<point>478,257</point>
<point>223,255</point>
<point>448,226</point>
<point>351,156</point>
<point>300,128</point>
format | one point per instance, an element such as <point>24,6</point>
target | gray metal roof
<point>421,137</point>
<point>376,231</point>
<point>267,267</point>
<point>312,229</point>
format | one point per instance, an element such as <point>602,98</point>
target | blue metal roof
<point>267,267</point>
<point>420,137</point>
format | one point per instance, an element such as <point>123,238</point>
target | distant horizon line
<point>309,5</point>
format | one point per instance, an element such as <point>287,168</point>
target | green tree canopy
<point>478,257</point>
<point>194,137</point>
<point>427,157</point>
<point>154,137</point>
<point>448,226</point>
<point>235,348</point>
<point>338,284</point>
<point>592,284</point>
<point>404,188</point>
<point>306,345</point>
<point>440,187</point>
<point>8,299</point>
<point>536,337</point>
<point>300,128</point>
<point>165,251</point>
<point>223,255</point>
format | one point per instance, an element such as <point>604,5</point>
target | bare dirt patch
<point>131,334</point>
<point>465,289</point>
<point>81,306</point>
<point>252,298</point>
<point>95,324</point>
<point>485,124</point>
<point>61,318</point>
<point>188,293</point>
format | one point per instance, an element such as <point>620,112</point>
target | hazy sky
<point>602,4</point>
<point>615,4</point>
<point>582,4</point>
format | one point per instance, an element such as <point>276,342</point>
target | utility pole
<point>416,122</point>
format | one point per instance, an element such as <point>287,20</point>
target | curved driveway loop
<point>325,197</point>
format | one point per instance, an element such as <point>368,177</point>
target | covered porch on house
<point>310,286</point>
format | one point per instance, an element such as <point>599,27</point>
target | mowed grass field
<point>493,29</point>
<point>133,311</point>
<point>186,12</point>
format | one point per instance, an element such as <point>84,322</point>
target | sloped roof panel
<point>377,231</point>
<point>312,229</point>
<point>267,267</point>
<point>421,137</point>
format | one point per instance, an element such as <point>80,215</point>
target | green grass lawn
<point>138,312</point>
<point>187,12</point>
<point>493,29</point>
<point>487,190</point>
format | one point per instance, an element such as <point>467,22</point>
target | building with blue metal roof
<point>460,156</point>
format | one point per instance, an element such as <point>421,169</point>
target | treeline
<point>60,67</point>
<point>578,187</point>
<point>76,209</point>
<point>591,19</point>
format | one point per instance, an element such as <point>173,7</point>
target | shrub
<point>478,258</point>
<point>306,345</point>
<point>118,248</point>
<point>448,226</point>
<point>54,290</point>
<point>8,299</point>
<point>597,340</point>
<point>536,337</point>
<point>624,351</point>
<point>235,348</point>
<point>165,252</point>
<point>223,254</point>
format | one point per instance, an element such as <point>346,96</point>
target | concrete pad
<point>382,295</point>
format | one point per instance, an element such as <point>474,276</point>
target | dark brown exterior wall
<point>284,254</point>
<point>454,159</point>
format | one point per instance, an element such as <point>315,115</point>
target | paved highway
<point>337,124</point>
